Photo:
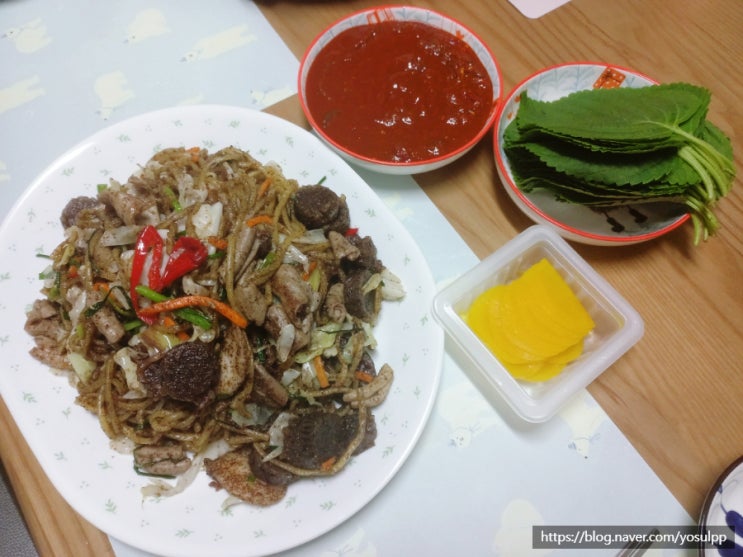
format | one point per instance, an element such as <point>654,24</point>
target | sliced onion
<point>374,281</point>
<point>161,488</point>
<point>207,219</point>
<point>273,454</point>
<point>285,341</point>
<point>188,194</point>
<point>276,434</point>
<point>123,358</point>
<point>82,366</point>
<point>289,376</point>
<point>314,236</point>
<point>231,501</point>
<point>159,339</point>
<point>319,341</point>
<point>308,374</point>
<point>123,445</point>
<point>118,294</point>
<point>259,415</point>
<point>121,236</point>
<point>294,255</point>
<point>392,286</point>
<point>78,300</point>
<point>370,340</point>
<point>49,276</point>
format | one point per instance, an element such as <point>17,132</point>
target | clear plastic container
<point>618,325</point>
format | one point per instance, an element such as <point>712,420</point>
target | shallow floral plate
<point>630,224</point>
<point>722,514</point>
<point>99,482</point>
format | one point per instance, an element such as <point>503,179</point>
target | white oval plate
<point>618,226</point>
<point>99,482</point>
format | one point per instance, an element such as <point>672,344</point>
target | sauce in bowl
<point>399,91</point>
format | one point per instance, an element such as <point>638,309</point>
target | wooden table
<point>676,395</point>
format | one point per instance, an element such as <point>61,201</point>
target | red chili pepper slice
<point>188,254</point>
<point>149,239</point>
<point>351,232</point>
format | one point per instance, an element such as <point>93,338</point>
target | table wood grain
<point>677,394</point>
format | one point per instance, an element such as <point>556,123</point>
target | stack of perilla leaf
<point>608,147</point>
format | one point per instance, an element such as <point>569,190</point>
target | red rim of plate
<point>497,100</point>
<point>515,189</point>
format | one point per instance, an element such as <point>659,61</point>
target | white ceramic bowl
<point>619,226</point>
<point>618,325</point>
<point>400,13</point>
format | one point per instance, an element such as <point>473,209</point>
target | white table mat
<point>478,479</point>
<point>535,9</point>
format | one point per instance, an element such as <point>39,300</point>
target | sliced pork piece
<point>334,304</point>
<point>245,248</point>
<point>132,208</point>
<point>235,361</point>
<point>74,207</point>
<point>267,390</point>
<point>342,247</point>
<point>165,460</point>
<point>44,320</point>
<point>232,472</point>
<point>250,302</point>
<point>105,319</point>
<point>294,292</point>
<point>282,331</point>
<point>45,325</point>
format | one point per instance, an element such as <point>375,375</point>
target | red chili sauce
<point>399,91</point>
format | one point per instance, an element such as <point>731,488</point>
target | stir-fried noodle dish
<point>215,315</point>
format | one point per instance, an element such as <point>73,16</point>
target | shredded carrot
<point>219,243</point>
<point>328,464</point>
<point>189,301</point>
<point>183,336</point>
<point>264,187</point>
<point>363,376</point>
<point>101,286</point>
<point>72,271</point>
<point>310,269</point>
<point>169,321</point>
<point>259,219</point>
<point>195,154</point>
<point>322,376</point>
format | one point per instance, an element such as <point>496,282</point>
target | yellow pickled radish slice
<point>527,329</point>
<point>549,317</point>
<point>484,317</point>
<point>548,368</point>
<point>554,301</point>
<point>535,325</point>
